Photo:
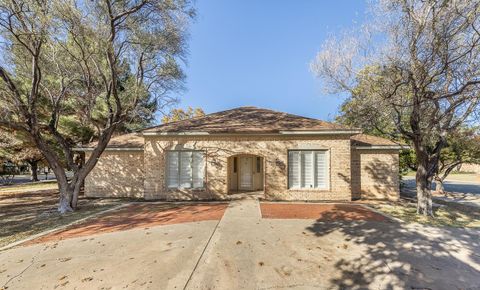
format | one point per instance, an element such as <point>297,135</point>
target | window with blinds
<point>308,169</point>
<point>185,169</point>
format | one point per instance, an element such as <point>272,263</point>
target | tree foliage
<point>76,69</point>
<point>180,114</point>
<point>16,148</point>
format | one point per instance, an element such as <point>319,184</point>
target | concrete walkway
<point>227,260</point>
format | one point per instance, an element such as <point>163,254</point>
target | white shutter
<point>294,169</point>
<point>198,169</point>
<point>307,169</point>
<point>186,169</point>
<point>172,169</point>
<point>321,169</point>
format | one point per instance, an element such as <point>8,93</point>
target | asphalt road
<point>450,186</point>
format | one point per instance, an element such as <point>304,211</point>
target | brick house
<point>247,149</point>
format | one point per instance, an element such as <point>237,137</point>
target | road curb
<point>14,244</point>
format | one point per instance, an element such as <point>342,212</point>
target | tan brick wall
<point>375,174</point>
<point>117,174</point>
<point>275,151</point>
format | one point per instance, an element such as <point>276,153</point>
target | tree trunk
<point>424,193</point>
<point>439,185</point>
<point>69,196</point>
<point>34,169</point>
<point>65,201</point>
<point>76,192</point>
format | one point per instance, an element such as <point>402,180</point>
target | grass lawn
<point>447,214</point>
<point>30,209</point>
<point>28,187</point>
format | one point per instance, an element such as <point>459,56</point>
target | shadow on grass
<point>28,213</point>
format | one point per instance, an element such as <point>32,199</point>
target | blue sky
<point>257,52</point>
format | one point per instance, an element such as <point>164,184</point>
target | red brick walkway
<point>327,212</point>
<point>137,216</point>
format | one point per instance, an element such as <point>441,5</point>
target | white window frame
<point>314,169</point>
<point>179,164</point>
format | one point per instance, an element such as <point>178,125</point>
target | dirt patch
<point>137,216</point>
<point>322,212</point>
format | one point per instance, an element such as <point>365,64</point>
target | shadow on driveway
<point>405,256</point>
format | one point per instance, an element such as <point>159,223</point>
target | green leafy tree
<point>18,149</point>
<point>86,68</point>
<point>180,114</point>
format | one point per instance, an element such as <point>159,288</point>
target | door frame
<point>255,187</point>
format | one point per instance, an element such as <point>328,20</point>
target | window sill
<point>185,189</point>
<point>309,189</point>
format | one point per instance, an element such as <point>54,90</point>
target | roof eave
<point>87,149</point>
<point>323,132</point>
<point>203,133</point>
<point>381,147</point>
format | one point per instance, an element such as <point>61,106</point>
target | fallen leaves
<point>87,279</point>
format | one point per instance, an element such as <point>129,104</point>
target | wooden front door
<point>246,173</point>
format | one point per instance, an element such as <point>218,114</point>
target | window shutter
<point>186,169</point>
<point>294,169</point>
<point>307,169</point>
<point>322,169</point>
<point>172,170</point>
<point>198,169</point>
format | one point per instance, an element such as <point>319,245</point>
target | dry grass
<point>446,214</point>
<point>28,187</point>
<point>31,211</point>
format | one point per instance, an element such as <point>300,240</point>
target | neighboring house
<point>246,149</point>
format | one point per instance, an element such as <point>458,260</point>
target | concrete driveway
<point>243,250</point>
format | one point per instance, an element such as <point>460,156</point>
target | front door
<point>246,173</point>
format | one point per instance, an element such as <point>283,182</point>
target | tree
<point>180,114</point>
<point>463,147</point>
<point>92,62</point>
<point>18,149</point>
<point>416,67</point>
